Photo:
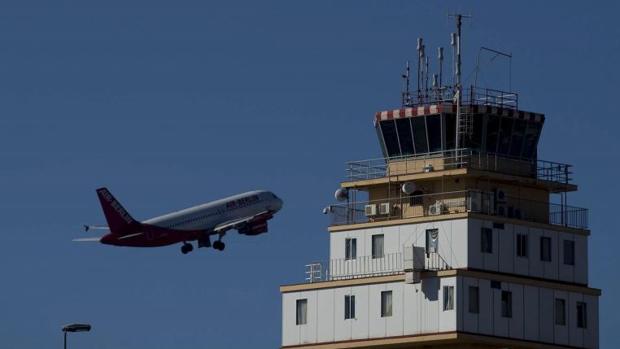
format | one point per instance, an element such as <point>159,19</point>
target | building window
<point>448,298</point>
<point>506,304</point>
<point>302,312</point>
<point>569,252</point>
<point>386,303</point>
<point>560,311</point>
<point>349,307</point>
<point>521,245</point>
<point>582,315</point>
<point>350,249</point>
<point>486,240</point>
<point>474,300</point>
<point>377,246</point>
<point>545,249</point>
<point>432,241</point>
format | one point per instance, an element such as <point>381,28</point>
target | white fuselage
<point>209,215</point>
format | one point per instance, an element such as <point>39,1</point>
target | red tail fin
<point>119,220</point>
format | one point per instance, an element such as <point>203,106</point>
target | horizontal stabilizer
<point>96,239</point>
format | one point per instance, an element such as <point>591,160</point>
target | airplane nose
<point>280,203</point>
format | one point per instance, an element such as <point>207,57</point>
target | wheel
<point>186,248</point>
<point>218,245</point>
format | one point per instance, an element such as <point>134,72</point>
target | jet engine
<point>254,228</point>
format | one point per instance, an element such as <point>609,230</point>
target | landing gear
<point>186,248</point>
<point>219,245</point>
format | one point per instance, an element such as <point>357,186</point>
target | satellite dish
<point>408,188</point>
<point>341,194</point>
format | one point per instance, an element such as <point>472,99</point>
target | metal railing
<point>368,266</point>
<point>472,95</point>
<point>454,203</point>
<point>454,159</point>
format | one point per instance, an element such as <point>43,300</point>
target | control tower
<point>458,237</point>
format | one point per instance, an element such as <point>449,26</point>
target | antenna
<point>406,96</point>
<point>440,57</point>
<point>456,44</point>
<point>420,48</point>
<point>426,78</point>
<point>497,54</point>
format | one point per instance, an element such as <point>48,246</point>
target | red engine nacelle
<point>254,228</point>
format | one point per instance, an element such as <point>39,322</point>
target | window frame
<point>559,311</point>
<point>568,258</point>
<point>301,318</point>
<point>385,311</point>
<point>350,249</point>
<point>544,252</point>
<point>448,298</point>
<point>349,307</point>
<point>506,304</point>
<point>470,306</point>
<point>374,253</point>
<point>522,242</point>
<point>486,240</point>
<point>582,315</point>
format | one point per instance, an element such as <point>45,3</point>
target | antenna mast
<point>458,88</point>
<point>406,98</point>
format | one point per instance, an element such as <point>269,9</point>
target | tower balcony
<point>553,175</point>
<point>443,205</point>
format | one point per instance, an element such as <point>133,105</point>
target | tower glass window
<point>545,249</point>
<point>448,298</point>
<point>560,311</point>
<point>377,246</point>
<point>507,304</point>
<point>405,136</point>
<point>419,134</point>
<point>433,123</point>
<point>349,307</point>
<point>486,240</point>
<point>390,137</point>
<point>386,303</point>
<point>301,311</point>
<point>474,300</point>
<point>521,245</point>
<point>350,248</point>
<point>569,252</point>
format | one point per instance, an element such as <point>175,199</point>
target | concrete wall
<point>416,309</point>
<point>460,247</point>
<point>532,314</point>
<point>504,257</point>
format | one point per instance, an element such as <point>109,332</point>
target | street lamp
<point>75,328</point>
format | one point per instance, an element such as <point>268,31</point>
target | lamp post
<point>75,328</point>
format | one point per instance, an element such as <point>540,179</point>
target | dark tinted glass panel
<point>433,123</point>
<point>475,142</point>
<point>531,139</point>
<point>492,133</point>
<point>419,134</point>
<point>404,136</point>
<point>518,132</point>
<point>450,127</point>
<point>380,138</point>
<point>504,135</point>
<point>389,136</point>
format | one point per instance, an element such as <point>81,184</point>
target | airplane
<point>247,213</point>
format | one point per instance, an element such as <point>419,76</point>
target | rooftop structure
<point>453,238</point>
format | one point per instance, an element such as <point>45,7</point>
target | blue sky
<point>171,104</point>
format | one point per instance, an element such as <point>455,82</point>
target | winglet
<point>119,220</point>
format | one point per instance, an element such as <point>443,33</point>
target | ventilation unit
<point>384,208</point>
<point>435,209</point>
<point>370,210</point>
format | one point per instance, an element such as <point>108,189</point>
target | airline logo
<point>247,201</point>
<point>116,206</point>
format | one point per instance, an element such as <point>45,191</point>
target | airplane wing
<point>94,239</point>
<point>241,222</point>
